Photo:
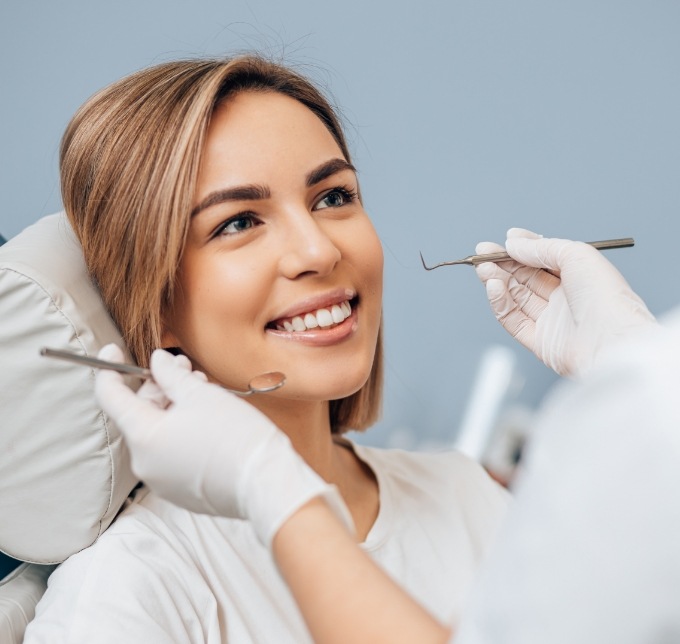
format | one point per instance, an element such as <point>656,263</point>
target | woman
<point>563,567</point>
<point>220,215</point>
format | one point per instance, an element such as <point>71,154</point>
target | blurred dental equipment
<point>493,431</point>
<point>473,260</point>
<point>262,384</point>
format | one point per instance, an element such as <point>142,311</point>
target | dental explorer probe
<point>262,384</point>
<point>502,256</point>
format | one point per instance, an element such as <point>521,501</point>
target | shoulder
<point>447,480</point>
<point>442,506</point>
<point>447,467</point>
<point>134,583</point>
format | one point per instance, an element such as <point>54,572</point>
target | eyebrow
<point>328,169</point>
<point>255,192</point>
<point>240,193</point>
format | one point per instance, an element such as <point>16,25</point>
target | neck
<point>307,424</point>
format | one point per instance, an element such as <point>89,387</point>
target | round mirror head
<point>266,382</point>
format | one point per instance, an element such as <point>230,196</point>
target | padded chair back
<point>64,470</point>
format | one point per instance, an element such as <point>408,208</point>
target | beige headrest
<point>64,470</point>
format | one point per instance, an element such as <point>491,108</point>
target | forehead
<point>256,132</point>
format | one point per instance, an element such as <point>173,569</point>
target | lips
<point>323,318</point>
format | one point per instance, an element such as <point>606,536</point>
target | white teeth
<point>311,321</point>
<point>298,324</point>
<point>324,318</point>
<point>320,318</point>
<point>337,314</point>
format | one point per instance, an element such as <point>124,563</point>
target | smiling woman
<point>220,216</point>
<point>284,242</point>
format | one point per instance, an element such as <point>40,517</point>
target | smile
<point>323,318</point>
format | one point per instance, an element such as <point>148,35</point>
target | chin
<point>329,387</point>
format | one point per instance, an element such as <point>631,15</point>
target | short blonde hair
<point>129,164</point>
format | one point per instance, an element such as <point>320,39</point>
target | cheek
<point>369,253</point>
<point>378,258</point>
<point>213,302</point>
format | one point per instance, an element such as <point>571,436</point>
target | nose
<point>307,249</point>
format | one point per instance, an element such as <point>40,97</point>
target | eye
<point>335,198</point>
<point>237,224</point>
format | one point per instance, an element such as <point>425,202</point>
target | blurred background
<point>465,118</point>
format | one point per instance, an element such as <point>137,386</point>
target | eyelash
<point>250,216</point>
<point>349,195</point>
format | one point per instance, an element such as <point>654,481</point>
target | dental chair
<point>64,470</point>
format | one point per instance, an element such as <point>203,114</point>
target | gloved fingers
<point>518,233</point>
<point>535,280</point>
<point>486,247</point>
<point>174,375</point>
<point>522,233</point>
<point>112,353</point>
<point>509,314</point>
<point>154,394</point>
<point>496,270</point>
<point>530,303</point>
<point>490,271</point>
<point>109,385</point>
<point>539,281</point>
<point>112,393</point>
<point>549,253</point>
<point>149,390</point>
<point>586,275</point>
<point>521,295</point>
<point>182,361</point>
<point>130,412</point>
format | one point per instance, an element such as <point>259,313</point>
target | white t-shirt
<point>163,574</point>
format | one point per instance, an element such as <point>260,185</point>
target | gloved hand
<point>561,299</point>
<point>207,450</point>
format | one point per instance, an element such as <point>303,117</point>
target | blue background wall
<point>465,118</point>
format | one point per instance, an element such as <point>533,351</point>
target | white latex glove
<point>561,299</point>
<point>207,450</point>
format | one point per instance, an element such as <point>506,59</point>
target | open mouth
<point>323,318</point>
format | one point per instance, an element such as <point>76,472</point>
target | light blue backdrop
<point>466,117</point>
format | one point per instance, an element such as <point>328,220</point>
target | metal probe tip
<point>502,256</point>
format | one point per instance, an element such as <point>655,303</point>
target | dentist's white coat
<point>591,552</point>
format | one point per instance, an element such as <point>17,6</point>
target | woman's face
<point>282,269</point>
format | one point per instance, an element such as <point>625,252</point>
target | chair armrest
<point>20,591</point>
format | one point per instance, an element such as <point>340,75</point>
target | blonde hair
<point>129,164</point>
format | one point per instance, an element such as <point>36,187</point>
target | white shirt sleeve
<point>590,552</point>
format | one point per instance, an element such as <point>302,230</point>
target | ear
<point>169,342</point>
<point>168,338</point>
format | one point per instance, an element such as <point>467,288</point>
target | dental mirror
<point>262,384</point>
